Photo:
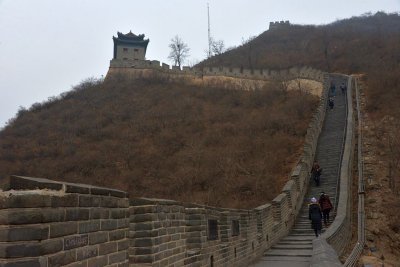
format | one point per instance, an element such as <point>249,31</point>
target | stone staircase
<point>296,248</point>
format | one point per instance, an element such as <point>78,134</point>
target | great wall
<point>47,223</point>
<point>243,79</point>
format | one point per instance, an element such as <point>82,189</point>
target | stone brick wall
<point>171,233</point>
<point>254,74</point>
<point>45,223</point>
<point>130,52</point>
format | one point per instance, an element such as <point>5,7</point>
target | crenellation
<point>165,66</point>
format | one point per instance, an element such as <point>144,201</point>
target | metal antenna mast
<point>209,33</point>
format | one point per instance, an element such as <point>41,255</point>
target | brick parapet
<point>47,223</point>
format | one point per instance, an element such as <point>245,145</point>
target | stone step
<point>279,261</point>
<point>292,246</point>
<point>288,252</point>
<point>298,238</point>
<point>308,230</point>
<point>306,223</point>
<point>303,230</point>
<point>285,258</point>
<point>295,242</point>
<point>305,234</point>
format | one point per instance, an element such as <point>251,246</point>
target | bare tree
<point>179,51</point>
<point>217,47</point>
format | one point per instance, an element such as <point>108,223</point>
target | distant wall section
<point>239,78</point>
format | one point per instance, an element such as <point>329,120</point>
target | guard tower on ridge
<point>130,46</point>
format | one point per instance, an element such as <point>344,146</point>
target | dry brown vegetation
<point>161,139</point>
<point>358,44</point>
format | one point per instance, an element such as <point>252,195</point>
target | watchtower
<point>130,46</point>
<point>278,24</point>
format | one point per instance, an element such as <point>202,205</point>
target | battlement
<point>278,24</point>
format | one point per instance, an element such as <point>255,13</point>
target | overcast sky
<point>47,46</point>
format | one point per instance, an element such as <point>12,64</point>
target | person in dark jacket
<point>326,206</point>
<point>331,102</point>
<point>333,89</point>
<point>343,87</point>
<point>316,172</point>
<point>315,215</point>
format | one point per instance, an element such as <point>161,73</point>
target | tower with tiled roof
<point>130,46</point>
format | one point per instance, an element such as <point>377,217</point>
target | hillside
<point>370,46</point>
<point>230,148</point>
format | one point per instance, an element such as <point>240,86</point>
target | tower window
<point>136,50</point>
<point>235,228</point>
<point>212,229</point>
<point>125,49</point>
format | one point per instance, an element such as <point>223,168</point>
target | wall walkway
<point>296,249</point>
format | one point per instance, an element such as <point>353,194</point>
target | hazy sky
<point>47,46</point>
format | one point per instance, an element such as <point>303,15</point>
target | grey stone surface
<point>117,257</point>
<point>25,233</point>
<point>117,234</point>
<point>87,252</point>
<point>99,213</point>
<point>89,226</point>
<point>123,245</point>
<point>99,261</point>
<point>77,214</point>
<point>62,258</point>
<point>27,201</point>
<point>89,201</point>
<point>63,229</point>
<point>109,224</point>
<point>324,255</point>
<point>108,248</point>
<point>98,237</point>
<point>24,263</point>
<point>69,200</point>
<point>30,249</point>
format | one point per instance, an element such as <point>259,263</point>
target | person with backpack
<point>315,215</point>
<point>326,206</point>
